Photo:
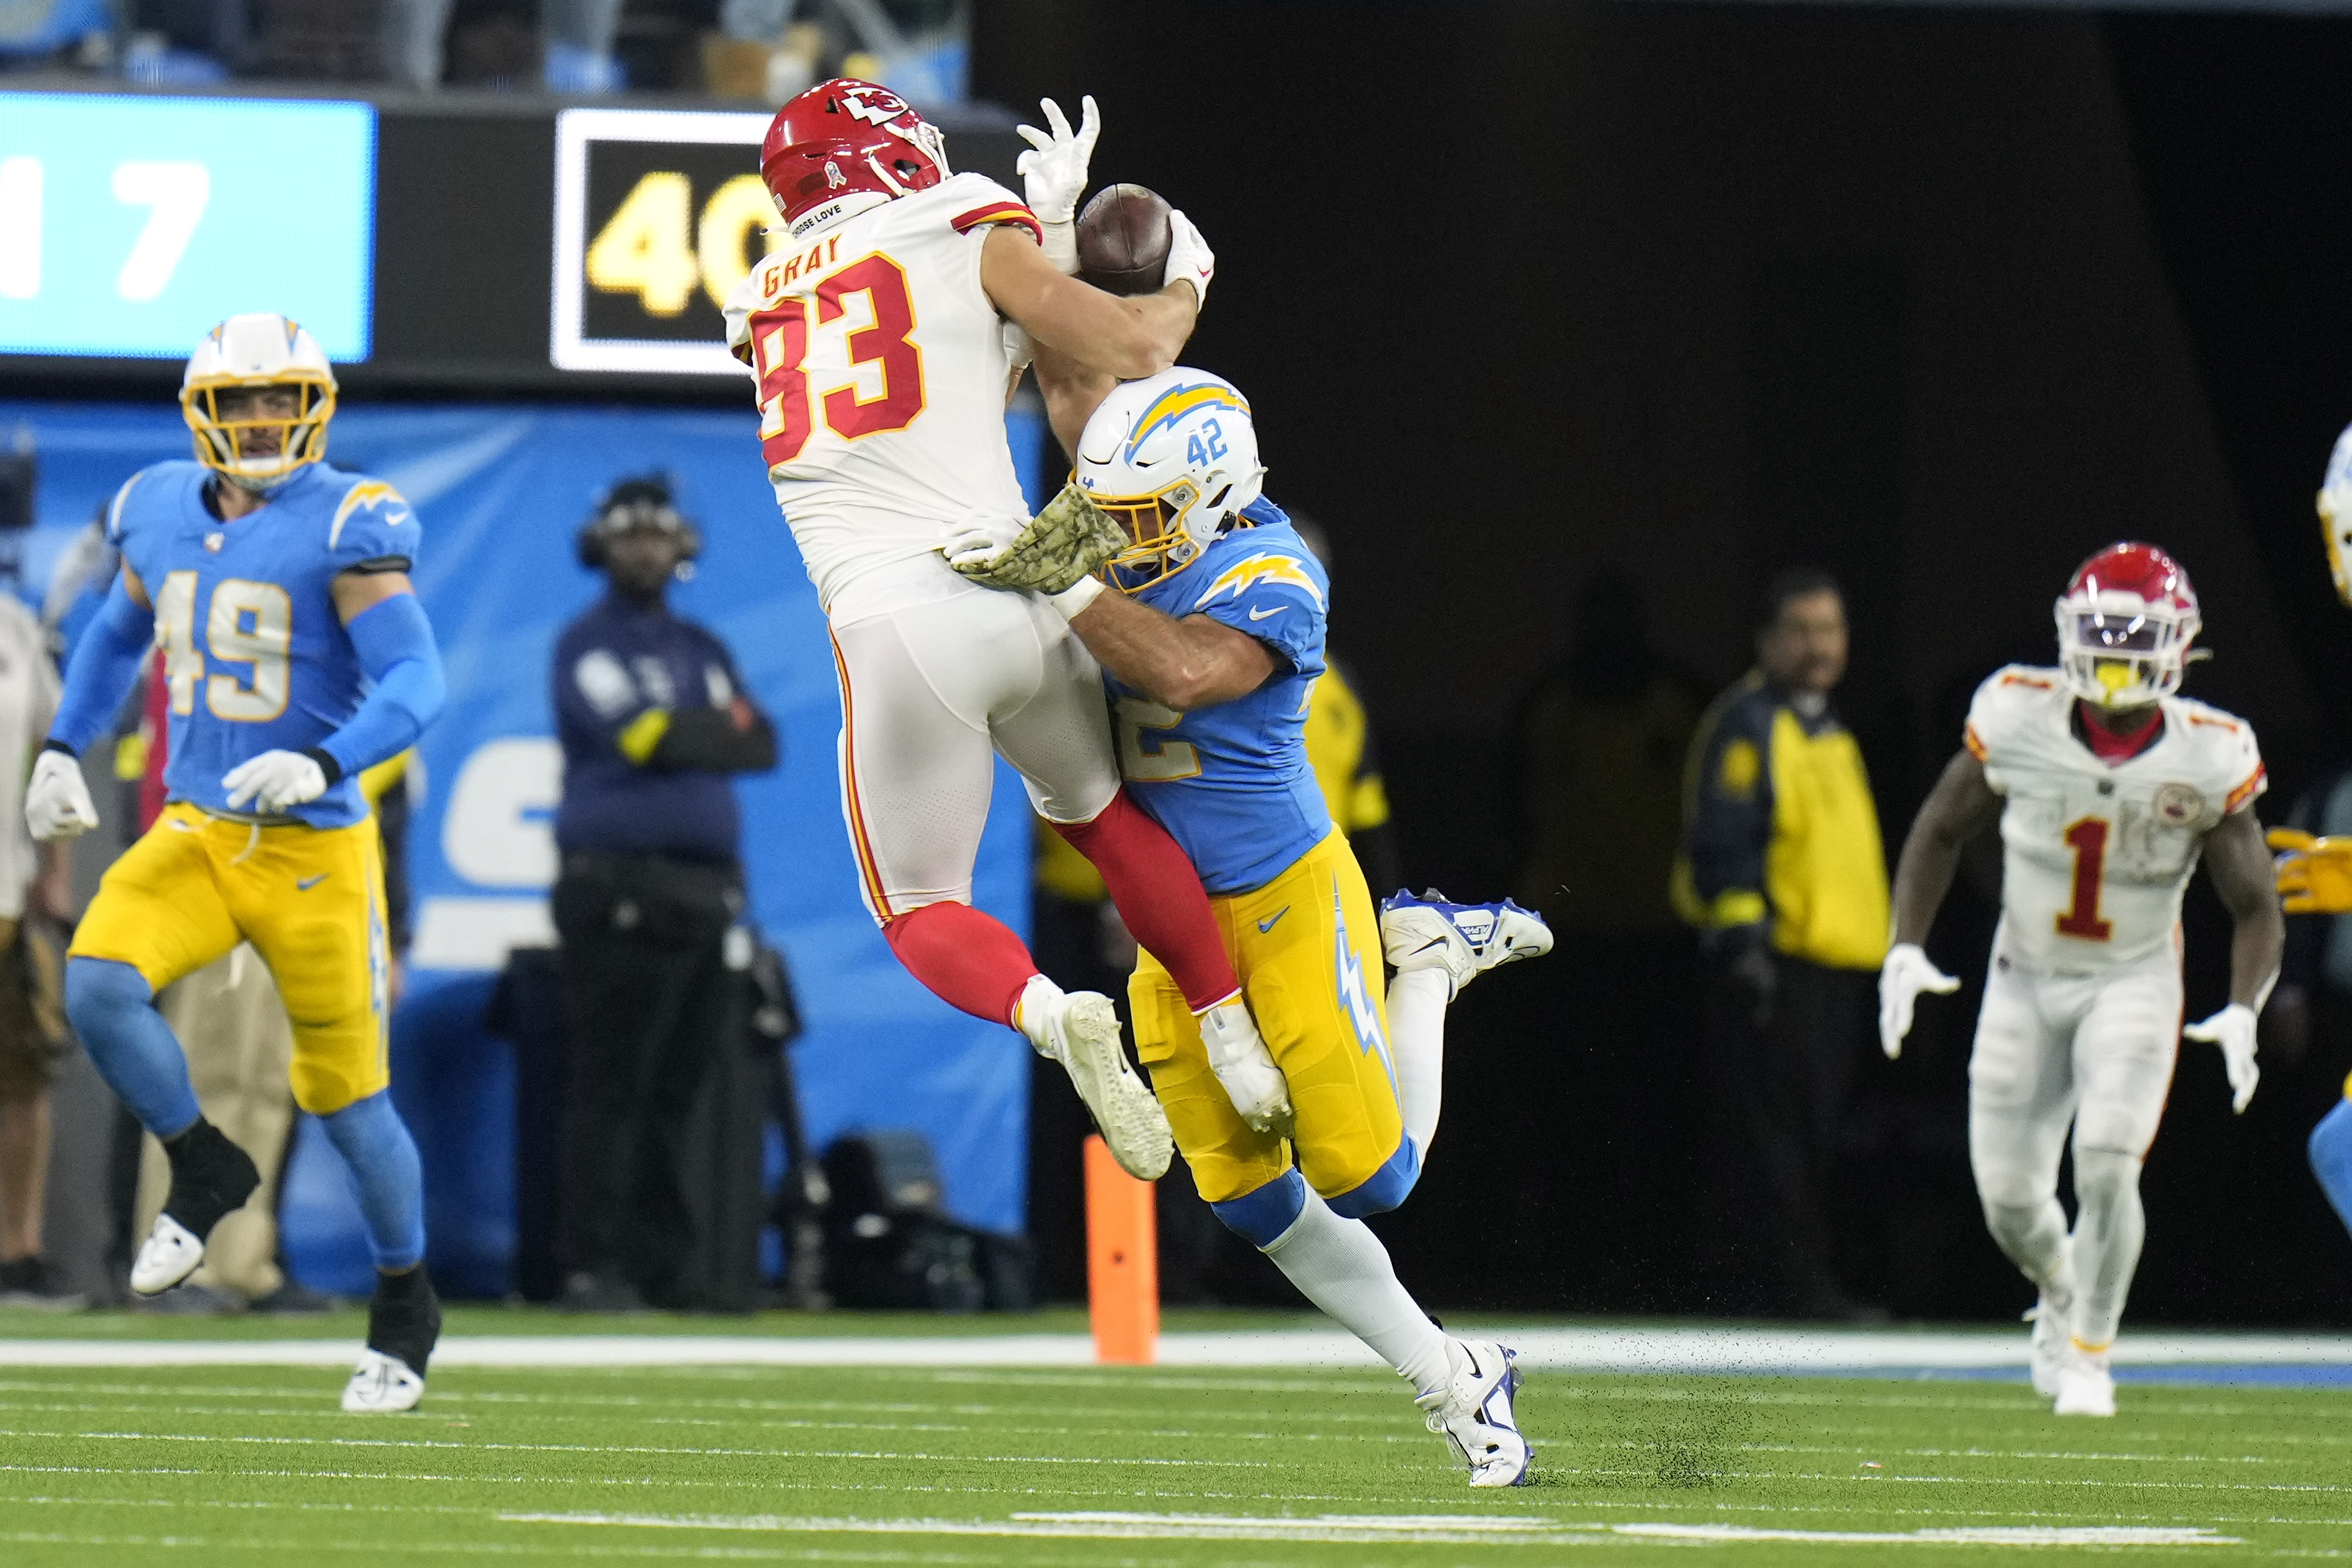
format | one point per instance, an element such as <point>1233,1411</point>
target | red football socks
<point>968,960</point>
<point>1159,895</point>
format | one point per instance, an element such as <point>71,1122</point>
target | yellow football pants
<point>1307,947</point>
<point>311,899</point>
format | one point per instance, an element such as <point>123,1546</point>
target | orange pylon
<point>1122,1261</point>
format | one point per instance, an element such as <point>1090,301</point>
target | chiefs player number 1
<point>780,343</point>
<point>2088,840</point>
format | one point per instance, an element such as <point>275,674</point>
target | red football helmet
<point>846,135</point>
<point>2125,625</point>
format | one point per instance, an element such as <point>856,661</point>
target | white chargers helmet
<point>1171,458</point>
<point>2336,514</point>
<point>258,450</point>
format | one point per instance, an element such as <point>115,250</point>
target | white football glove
<point>981,537</point>
<point>1188,257</point>
<point>2233,1029</point>
<point>1054,174</point>
<point>276,780</point>
<point>57,799</point>
<point>1246,1069</point>
<point>1906,973</point>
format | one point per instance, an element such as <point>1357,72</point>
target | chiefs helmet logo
<point>873,105</point>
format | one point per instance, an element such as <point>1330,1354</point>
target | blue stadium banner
<point>501,491</point>
<point>129,225</point>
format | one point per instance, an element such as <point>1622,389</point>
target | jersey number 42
<point>780,336</point>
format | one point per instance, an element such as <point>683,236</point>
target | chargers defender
<point>881,337</point>
<point>297,657</point>
<point>2315,873</point>
<point>2108,788</point>
<point>1210,624</point>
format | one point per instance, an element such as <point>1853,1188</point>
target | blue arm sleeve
<point>104,668</point>
<point>395,643</point>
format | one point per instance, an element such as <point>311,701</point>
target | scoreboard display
<point>457,244</point>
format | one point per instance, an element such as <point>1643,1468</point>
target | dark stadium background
<point>1942,300</point>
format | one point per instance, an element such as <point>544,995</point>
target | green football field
<point>997,1465</point>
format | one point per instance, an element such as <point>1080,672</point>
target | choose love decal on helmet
<point>2124,624</point>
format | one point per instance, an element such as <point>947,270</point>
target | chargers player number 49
<point>247,624</point>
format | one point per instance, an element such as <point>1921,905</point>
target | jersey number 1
<point>2088,840</point>
<point>247,624</point>
<point>779,342</point>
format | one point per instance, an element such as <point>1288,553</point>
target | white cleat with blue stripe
<point>1473,1413</point>
<point>1464,939</point>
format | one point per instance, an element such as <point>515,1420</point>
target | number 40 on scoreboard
<point>657,216</point>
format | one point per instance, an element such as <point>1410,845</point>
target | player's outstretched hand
<point>57,799</point>
<point>274,779</point>
<point>1046,554</point>
<point>2314,874</point>
<point>1054,174</point>
<point>1906,972</point>
<point>2233,1029</point>
<point>1188,257</point>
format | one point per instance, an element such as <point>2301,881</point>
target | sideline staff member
<point>1784,874</point>
<point>652,720</point>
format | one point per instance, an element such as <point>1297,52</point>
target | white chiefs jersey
<point>881,369</point>
<point>2095,856</point>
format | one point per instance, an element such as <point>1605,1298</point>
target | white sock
<point>1035,1005</point>
<point>1342,1267</point>
<point>1417,999</point>
<point>2108,1231</point>
<point>2034,1238</point>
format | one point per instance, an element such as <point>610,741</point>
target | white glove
<point>277,779</point>
<point>1906,973</point>
<point>981,537</point>
<point>2233,1029</point>
<point>1188,257</point>
<point>1054,172</point>
<point>1238,1056</point>
<point>56,799</point>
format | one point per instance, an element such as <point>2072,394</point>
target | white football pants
<point>929,696</point>
<point>2097,1051</point>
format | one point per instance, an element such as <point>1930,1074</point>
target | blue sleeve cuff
<point>394,643</point>
<point>103,669</point>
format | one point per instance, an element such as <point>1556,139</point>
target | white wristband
<point>1074,598</point>
<point>1060,243</point>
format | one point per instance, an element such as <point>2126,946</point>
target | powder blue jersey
<point>1232,782</point>
<point>256,655</point>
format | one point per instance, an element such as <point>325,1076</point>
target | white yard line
<point>1761,1349</point>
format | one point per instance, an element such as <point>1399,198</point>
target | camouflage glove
<point>1063,543</point>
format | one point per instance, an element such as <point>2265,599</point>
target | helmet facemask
<point>225,442</point>
<point>2120,651</point>
<point>1160,545</point>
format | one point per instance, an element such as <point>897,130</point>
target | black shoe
<point>295,1300</point>
<point>404,1318</point>
<point>31,1281</point>
<point>599,1292</point>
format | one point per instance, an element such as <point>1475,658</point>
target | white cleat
<point>1080,1030</point>
<point>2048,1348</point>
<point>381,1383</point>
<point>2085,1385</point>
<point>1474,1414</point>
<point>1465,940</point>
<point>169,1255</point>
<point>1246,1069</point>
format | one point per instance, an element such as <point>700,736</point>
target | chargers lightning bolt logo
<point>1363,1011</point>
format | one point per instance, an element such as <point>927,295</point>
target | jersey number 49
<point>249,623</point>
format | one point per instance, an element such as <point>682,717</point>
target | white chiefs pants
<point>930,695</point>
<point>2095,1051</point>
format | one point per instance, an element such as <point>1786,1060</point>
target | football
<point>1123,240</point>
